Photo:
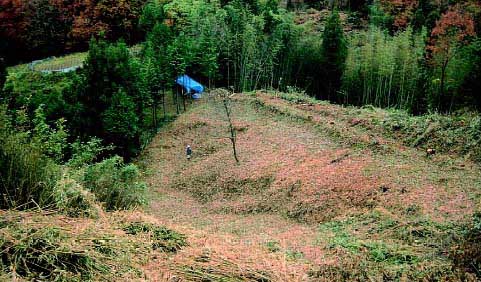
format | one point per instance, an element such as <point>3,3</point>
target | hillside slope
<point>318,195</point>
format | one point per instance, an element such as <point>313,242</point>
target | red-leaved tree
<point>401,10</point>
<point>453,29</point>
<point>37,28</point>
<point>12,27</point>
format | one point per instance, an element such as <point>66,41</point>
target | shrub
<point>27,177</point>
<point>115,184</point>
<point>85,153</point>
<point>29,90</point>
<point>3,73</point>
<point>52,141</point>
<point>73,200</point>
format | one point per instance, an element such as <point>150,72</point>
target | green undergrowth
<point>273,246</point>
<point>116,184</point>
<point>162,238</point>
<point>37,172</point>
<point>466,253</point>
<point>376,245</point>
<point>28,178</point>
<point>458,133</point>
<point>72,199</point>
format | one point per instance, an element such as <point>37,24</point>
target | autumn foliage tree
<point>115,19</point>
<point>12,26</point>
<point>452,30</point>
<point>39,28</point>
<point>401,10</point>
<point>47,28</point>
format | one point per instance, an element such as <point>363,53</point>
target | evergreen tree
<point>152,14</point>
<point>334,53</point>
<point>121,123</point>
<point>111,95</point>
<point>159,38</point>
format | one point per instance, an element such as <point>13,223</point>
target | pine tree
<point>121,123</point>
<point>334,53</point>
<point>112,104</point>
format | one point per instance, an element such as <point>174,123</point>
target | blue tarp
<point>191,86</point>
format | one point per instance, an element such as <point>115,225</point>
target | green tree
<point>334,53</point>
<point>112,96</point>
<point>151,82</point>
<point>121,123</point>
<point>157,71</point>
<point>159,37</point>
<point>378,17</point>
<point>385,70</point>
<point>152,14</point>
<point>472,82</point>
<point>209,56</point>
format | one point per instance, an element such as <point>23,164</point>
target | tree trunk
<point>176,99</point>
<point>183,99</point>
<point>443,78</point>
<point>231,127</point>
<point>154,118</point>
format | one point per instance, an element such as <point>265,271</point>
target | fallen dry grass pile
<point>43,246</point>
<point>205,268</point>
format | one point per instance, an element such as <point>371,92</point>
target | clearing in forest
<point>320,194</point>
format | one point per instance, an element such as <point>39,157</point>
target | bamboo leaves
<point>384,70</point>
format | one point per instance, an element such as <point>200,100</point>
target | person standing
<point>188,151</point>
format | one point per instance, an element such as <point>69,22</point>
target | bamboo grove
<point>247,45</point>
